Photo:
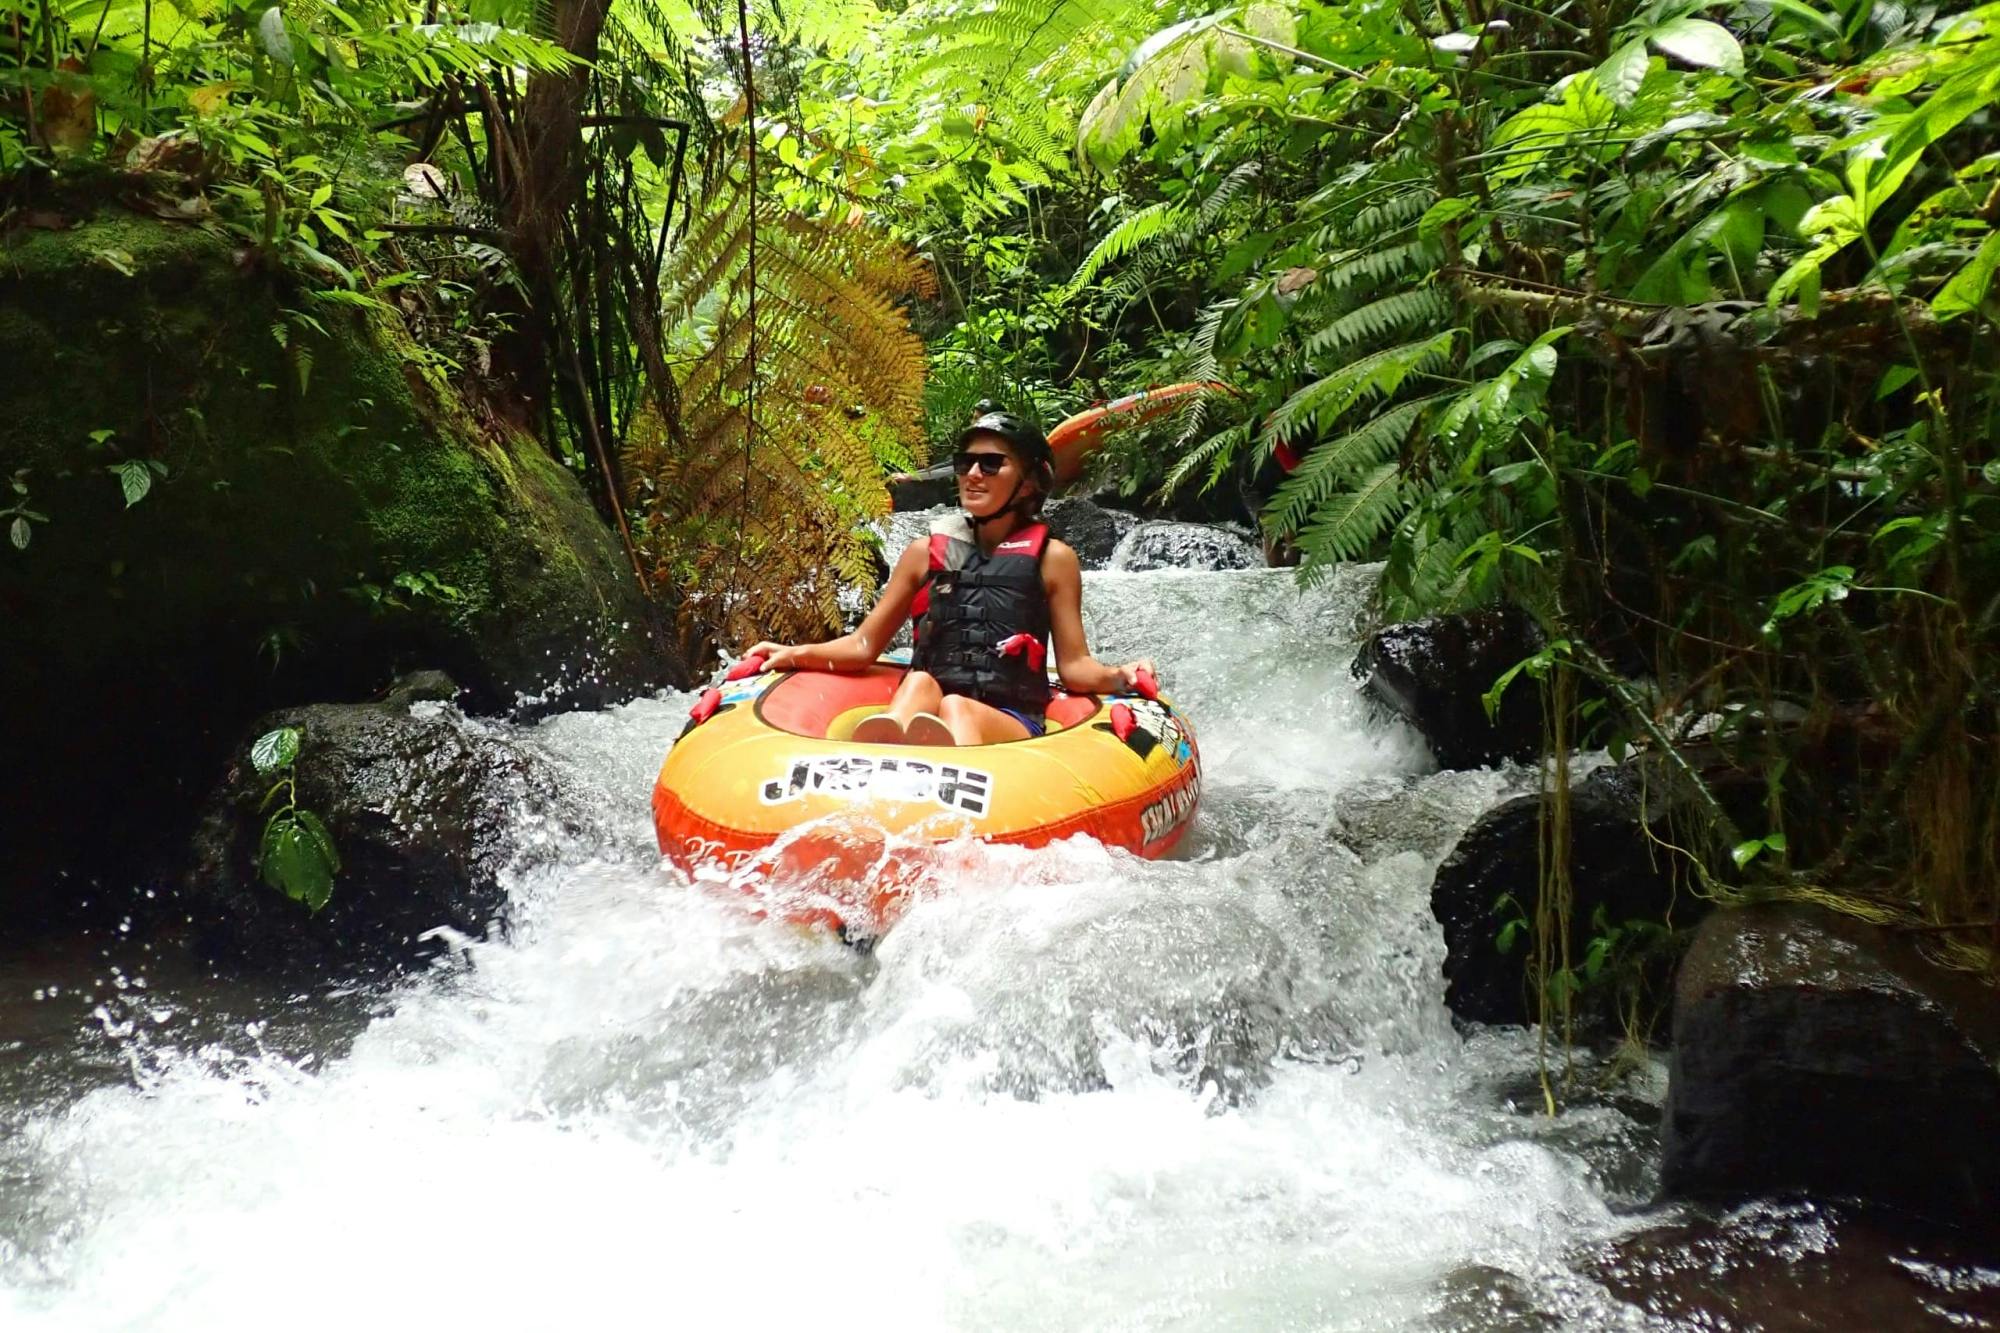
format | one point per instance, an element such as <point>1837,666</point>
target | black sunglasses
<point>991,465</point>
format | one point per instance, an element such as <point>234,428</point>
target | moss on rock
<point>319,514</point>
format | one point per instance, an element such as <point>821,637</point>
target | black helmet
<point>1028,441</point>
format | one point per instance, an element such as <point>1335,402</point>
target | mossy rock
<point>317,515</point>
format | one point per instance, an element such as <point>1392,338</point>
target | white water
<point>1075,1091</point>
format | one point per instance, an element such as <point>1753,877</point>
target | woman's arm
<point>1062,580</point>
<point>855,651</point>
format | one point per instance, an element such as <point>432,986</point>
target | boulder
<point>1434,673</point>
<point>1165,544</point>
<point>1493,877</point>
<point>430,814</point>
<point>1091,529</point>
<point>1819,1053</point>
<point>1798,1266</point>
<point>245,497</point>
<point>921,490</point>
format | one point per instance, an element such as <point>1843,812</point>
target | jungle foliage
<point>1672,322</point>
<point>537,190</point>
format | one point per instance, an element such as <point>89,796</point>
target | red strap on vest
<point>1024,644</point>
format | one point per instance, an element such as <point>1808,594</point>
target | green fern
<point>1335,464</point>
<point>1215,454</point>
<point>1397,213</point>
<point>1225,193</point>
<point>1157,235</point>
<point>1204,365</point>
<point>1136,230</point>
<point>1373,267</point>
<point>1347,525</point>
<point>1379,375</point>
<point>1389,316</point>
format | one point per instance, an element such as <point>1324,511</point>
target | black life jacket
<point>981,622</point>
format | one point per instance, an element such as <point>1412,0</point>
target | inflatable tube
<point>765,755</point>
<point>1075,437</point>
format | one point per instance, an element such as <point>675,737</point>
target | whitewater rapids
<point>1074,1090</point>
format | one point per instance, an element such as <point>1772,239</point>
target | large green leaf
<point>1966,291</point>
<point>294,860</point>
<point>135,480</point>
<point>1533,134</point>
<point>275,749</point>
<point>1700,43</point>
<point>317,830</point>
<point>1173,67</point>
<point>1622,73</point>
<point>271,35</point>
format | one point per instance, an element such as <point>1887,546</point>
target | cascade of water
<point>1073,1090</point>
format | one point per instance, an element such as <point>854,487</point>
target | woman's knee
<point>921,686</point>
<point>955,708</point>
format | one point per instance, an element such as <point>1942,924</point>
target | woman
<point>987,590</point>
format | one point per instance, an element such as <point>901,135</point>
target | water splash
<point>1073,1089</point>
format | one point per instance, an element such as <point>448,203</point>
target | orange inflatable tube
<point>765,789</point>
<point>1075,437</point>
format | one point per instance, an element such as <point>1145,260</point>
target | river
<point>1072,1090</point>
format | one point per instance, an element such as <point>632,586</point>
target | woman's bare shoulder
<point>1059,557</point>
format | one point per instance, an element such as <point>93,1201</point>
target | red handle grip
<point>749,666</point>
<point>704,707</point>
<point>1145,684</point>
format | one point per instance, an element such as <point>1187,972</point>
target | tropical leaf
<point>1349,523</point>
<point>1335,465</point>
<point>755,485</point>
<point>1379,375</point>
<point>1388,316</point>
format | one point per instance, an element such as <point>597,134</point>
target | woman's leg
<point>918,693</point>
<point>975,723</point>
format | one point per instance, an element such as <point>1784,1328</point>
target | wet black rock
<point>1163,544</point>
<point>1794,1266</point>
<point>1490,1300</point>
<point>918,491</point>
<point>299,538</point>
<point>1091,529</point>
<point>1434,674</point>
<point>1818,1053</point>
<point>1493,877</point>
<point>429,813</point>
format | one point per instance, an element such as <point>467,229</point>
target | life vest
<point>981,622</point>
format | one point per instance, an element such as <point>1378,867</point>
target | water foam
<point>1071,1090</point>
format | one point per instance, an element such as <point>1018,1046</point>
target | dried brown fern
<point>759,514</point>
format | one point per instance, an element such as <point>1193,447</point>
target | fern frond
<point>1133,232</point>
<point>1347,525</point>
<point>782,463</point>
<point>1392,315</point>
<point>1373,267</point>
<point>1173,244</point>
<point>1215,454</point>
<point>1379,375</point>
<point>1225,192</point>
<point>1336,463</point>
<point>1393,214</point>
